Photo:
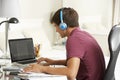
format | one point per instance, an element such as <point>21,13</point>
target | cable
<point>1,73</point>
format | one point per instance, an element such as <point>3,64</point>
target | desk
<point>53,54</point>
<point>6,75</point>
<point>15,77</point>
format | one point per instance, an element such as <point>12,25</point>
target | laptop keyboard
<point>27,61</point>
<point>15,67</point>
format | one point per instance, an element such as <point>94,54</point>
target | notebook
<point>22,50</point>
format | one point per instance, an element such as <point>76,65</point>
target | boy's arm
<point>59,62</point>
<point>70,70</point>
<point>51,62</point>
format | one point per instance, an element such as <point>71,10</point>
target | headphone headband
<point>61,16</point>
<point>63,26</point>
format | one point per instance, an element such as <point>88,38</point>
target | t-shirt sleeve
<point>75,48</point>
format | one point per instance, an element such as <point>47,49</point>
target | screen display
<point>21,49</point>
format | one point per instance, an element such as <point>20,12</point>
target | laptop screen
<point>21,49</point>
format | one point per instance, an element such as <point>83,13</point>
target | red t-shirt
<point>82,45</point>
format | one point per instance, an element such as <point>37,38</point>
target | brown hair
<point>70,17</point>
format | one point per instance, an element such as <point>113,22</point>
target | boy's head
<point>69,17</point>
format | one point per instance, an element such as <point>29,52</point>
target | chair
<point>114,48</point>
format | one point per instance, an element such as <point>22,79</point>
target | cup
<point>37,50</point>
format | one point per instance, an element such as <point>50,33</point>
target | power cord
<point>1,73</point>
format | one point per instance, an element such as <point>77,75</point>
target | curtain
<point>116,12</point>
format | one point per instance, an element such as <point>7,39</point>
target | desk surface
<point>35,76</point>
<point>53,54</point>
<point>15,77</point>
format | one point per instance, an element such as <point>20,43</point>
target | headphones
<point>62,26</point>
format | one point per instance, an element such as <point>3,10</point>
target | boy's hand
<point>33,68</point>
<point>48,61</point>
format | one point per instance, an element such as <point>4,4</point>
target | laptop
<point>22,51</point>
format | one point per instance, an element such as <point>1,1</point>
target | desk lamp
<point>13,21</point>
<point>9,9</point>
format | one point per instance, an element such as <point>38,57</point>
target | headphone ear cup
<point>63,26</point>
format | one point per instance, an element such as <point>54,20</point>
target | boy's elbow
<point>71,76</point>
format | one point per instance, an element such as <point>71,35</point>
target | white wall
<point>90,11</point>
<point>34,14</point>
<point>40,9</point>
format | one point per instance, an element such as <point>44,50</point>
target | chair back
<point>114,48</point>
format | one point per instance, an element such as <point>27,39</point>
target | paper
<point>31,74</point>
<point>41,76</point>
